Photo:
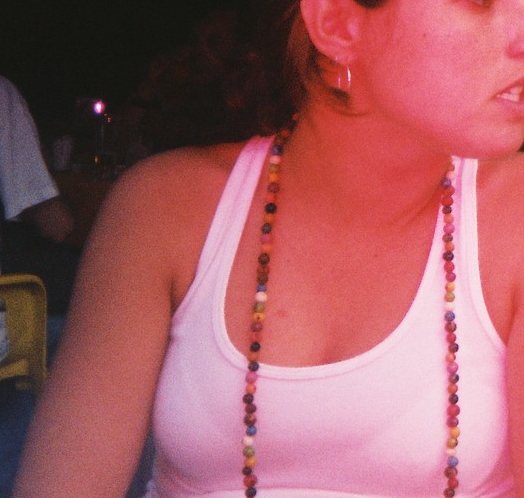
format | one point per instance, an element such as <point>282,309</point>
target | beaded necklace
<point>259,308</point>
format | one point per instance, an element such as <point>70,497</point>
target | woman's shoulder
<point>501,237</point>
<point>185,167</point>
<point>180,182</point>
<point>501,204</point>
<point>500,185</point>
<point>164,206</point>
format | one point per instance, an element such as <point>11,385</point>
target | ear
<point>334,26</point>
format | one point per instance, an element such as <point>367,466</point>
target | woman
<point>364,355</point>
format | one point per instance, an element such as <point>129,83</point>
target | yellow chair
<point>25,302</point>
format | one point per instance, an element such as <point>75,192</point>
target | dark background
<point>57,50</point>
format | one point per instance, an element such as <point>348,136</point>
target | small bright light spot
<point>99,107</point>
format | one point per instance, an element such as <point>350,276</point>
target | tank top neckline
<point>224,237</point>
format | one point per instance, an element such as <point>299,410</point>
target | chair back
<point>25,317</point>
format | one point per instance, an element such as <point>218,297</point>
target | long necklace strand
<point>257,323</point>
<point>259,308</point>
<point>450,328</point>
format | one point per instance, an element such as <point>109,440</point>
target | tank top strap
<point>469,242</point>
<point>233,208</point>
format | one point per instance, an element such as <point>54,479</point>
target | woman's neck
<point>358,163</point>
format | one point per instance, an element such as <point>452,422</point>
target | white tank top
<point>370,426</point>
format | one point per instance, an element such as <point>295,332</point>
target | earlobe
<point>333,26</point>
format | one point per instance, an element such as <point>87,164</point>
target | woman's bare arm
<point>516,391</point>
<point>93,417</point>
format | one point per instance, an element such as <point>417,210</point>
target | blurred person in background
<point>27,190</point>
<point>35,224</point>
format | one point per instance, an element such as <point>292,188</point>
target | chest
<point>371,408</point>
<point>332,293</point>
